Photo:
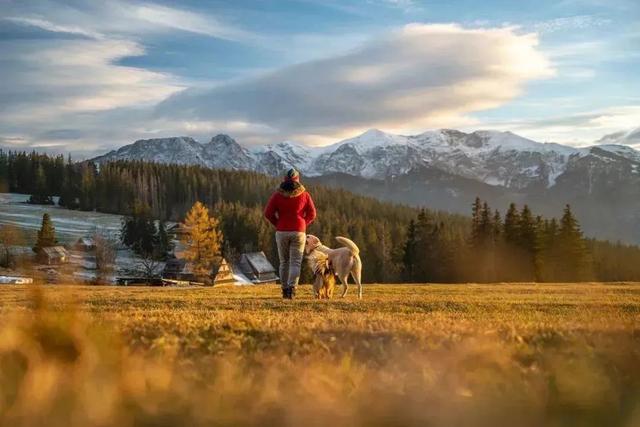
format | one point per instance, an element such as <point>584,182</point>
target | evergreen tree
<point>548,255</point>
<point>409,259</point>
<point>40,194</point>
<point>476,223</point>
<point>527,230</point>
<point>497,226</point>
<point>139,232</point>
<point>87,192</point>
<point>46,234</point>
<point>430,257</point>
<point>69,190</point>
<point>512,225</point>
<point>576,265</point>
<point>165,244</point>
<point>203,240</point>
<point>486,226</point>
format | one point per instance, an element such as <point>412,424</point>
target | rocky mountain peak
<point>222,139</point>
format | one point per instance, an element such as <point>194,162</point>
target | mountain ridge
<point>443,169</point>
<point>492,157</point>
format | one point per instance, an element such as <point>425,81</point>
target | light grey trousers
<point>290,252</point>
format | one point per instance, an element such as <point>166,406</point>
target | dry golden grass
<point>505,354</point>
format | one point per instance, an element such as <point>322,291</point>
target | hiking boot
<point>292,292</point>
<point>286,293</point>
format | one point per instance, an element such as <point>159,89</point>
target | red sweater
<point>290,212</point>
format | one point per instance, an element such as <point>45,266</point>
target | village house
<point>179,270</point>
<point>53,255</point>
<point>85,244</point>
<point>257,269</point>
<point>223,274</point>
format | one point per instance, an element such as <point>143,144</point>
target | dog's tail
<point>349,244</point>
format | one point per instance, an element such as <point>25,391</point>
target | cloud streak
<point>103,19</point>
<point>577,129</point>
<point>416,77</point>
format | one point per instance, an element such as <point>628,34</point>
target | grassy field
<point>438,355</point>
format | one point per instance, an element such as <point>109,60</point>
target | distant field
<point>69,224</point>
<point>522,354</point>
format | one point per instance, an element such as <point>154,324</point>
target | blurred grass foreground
<point>439,355</point>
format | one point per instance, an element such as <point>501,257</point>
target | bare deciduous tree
<point>10,237</point>
<point>105,253</point>
<point>149,267</point>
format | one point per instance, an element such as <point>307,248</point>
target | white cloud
<point>417,77</point>
<point>77,76</point>
<point>50,26</point>
<point>184,20</point>
<point>104,19</point>
<point>581,129</point>
<point>56,85</point>
<point>72,93</point>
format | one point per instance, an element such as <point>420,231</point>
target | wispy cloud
<point>421,75</point>
<point>50,26</point>
<point>183,20</point>
<point>570,23</point>
<point>580,129</point>
<point>116,17</point>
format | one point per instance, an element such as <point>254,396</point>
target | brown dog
<point>324,279</point>
<point>325,283</point>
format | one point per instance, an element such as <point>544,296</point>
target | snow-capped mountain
<point>179,150</point>
<point>492,157</point>
<point>444,169</point>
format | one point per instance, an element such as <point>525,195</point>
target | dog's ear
<point>310,243</point>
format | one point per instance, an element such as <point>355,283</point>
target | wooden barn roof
<point>258,262</point>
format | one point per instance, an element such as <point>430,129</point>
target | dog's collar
<point>313,248</point>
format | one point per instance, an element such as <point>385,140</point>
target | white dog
<point>344,260</point>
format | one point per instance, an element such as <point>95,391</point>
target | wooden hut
<point>178,269</point>
<point>257,268</point>
<point>53,255</point>
<point>85,244</point>
<point>223,274</point>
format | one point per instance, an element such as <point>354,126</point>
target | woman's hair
<point>289,185</point>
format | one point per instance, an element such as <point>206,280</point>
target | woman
<point>291,210</point>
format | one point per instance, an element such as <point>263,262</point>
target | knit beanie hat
<point>292,175</point>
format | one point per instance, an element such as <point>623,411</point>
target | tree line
<point>398,243</point>
<point>515,246</point>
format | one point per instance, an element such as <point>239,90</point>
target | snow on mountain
<point>491,157</point>
<point>223,152</point>
<point>373,138</point>
<point>179,150</point>
<point>288,154</point>
<point>496,158</point>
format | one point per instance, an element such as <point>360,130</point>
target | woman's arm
<point>309,210</point>
<point>271,210</point>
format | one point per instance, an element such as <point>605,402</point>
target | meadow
<point>436,355</point>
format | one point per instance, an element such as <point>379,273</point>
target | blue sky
<point>86,76</point>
